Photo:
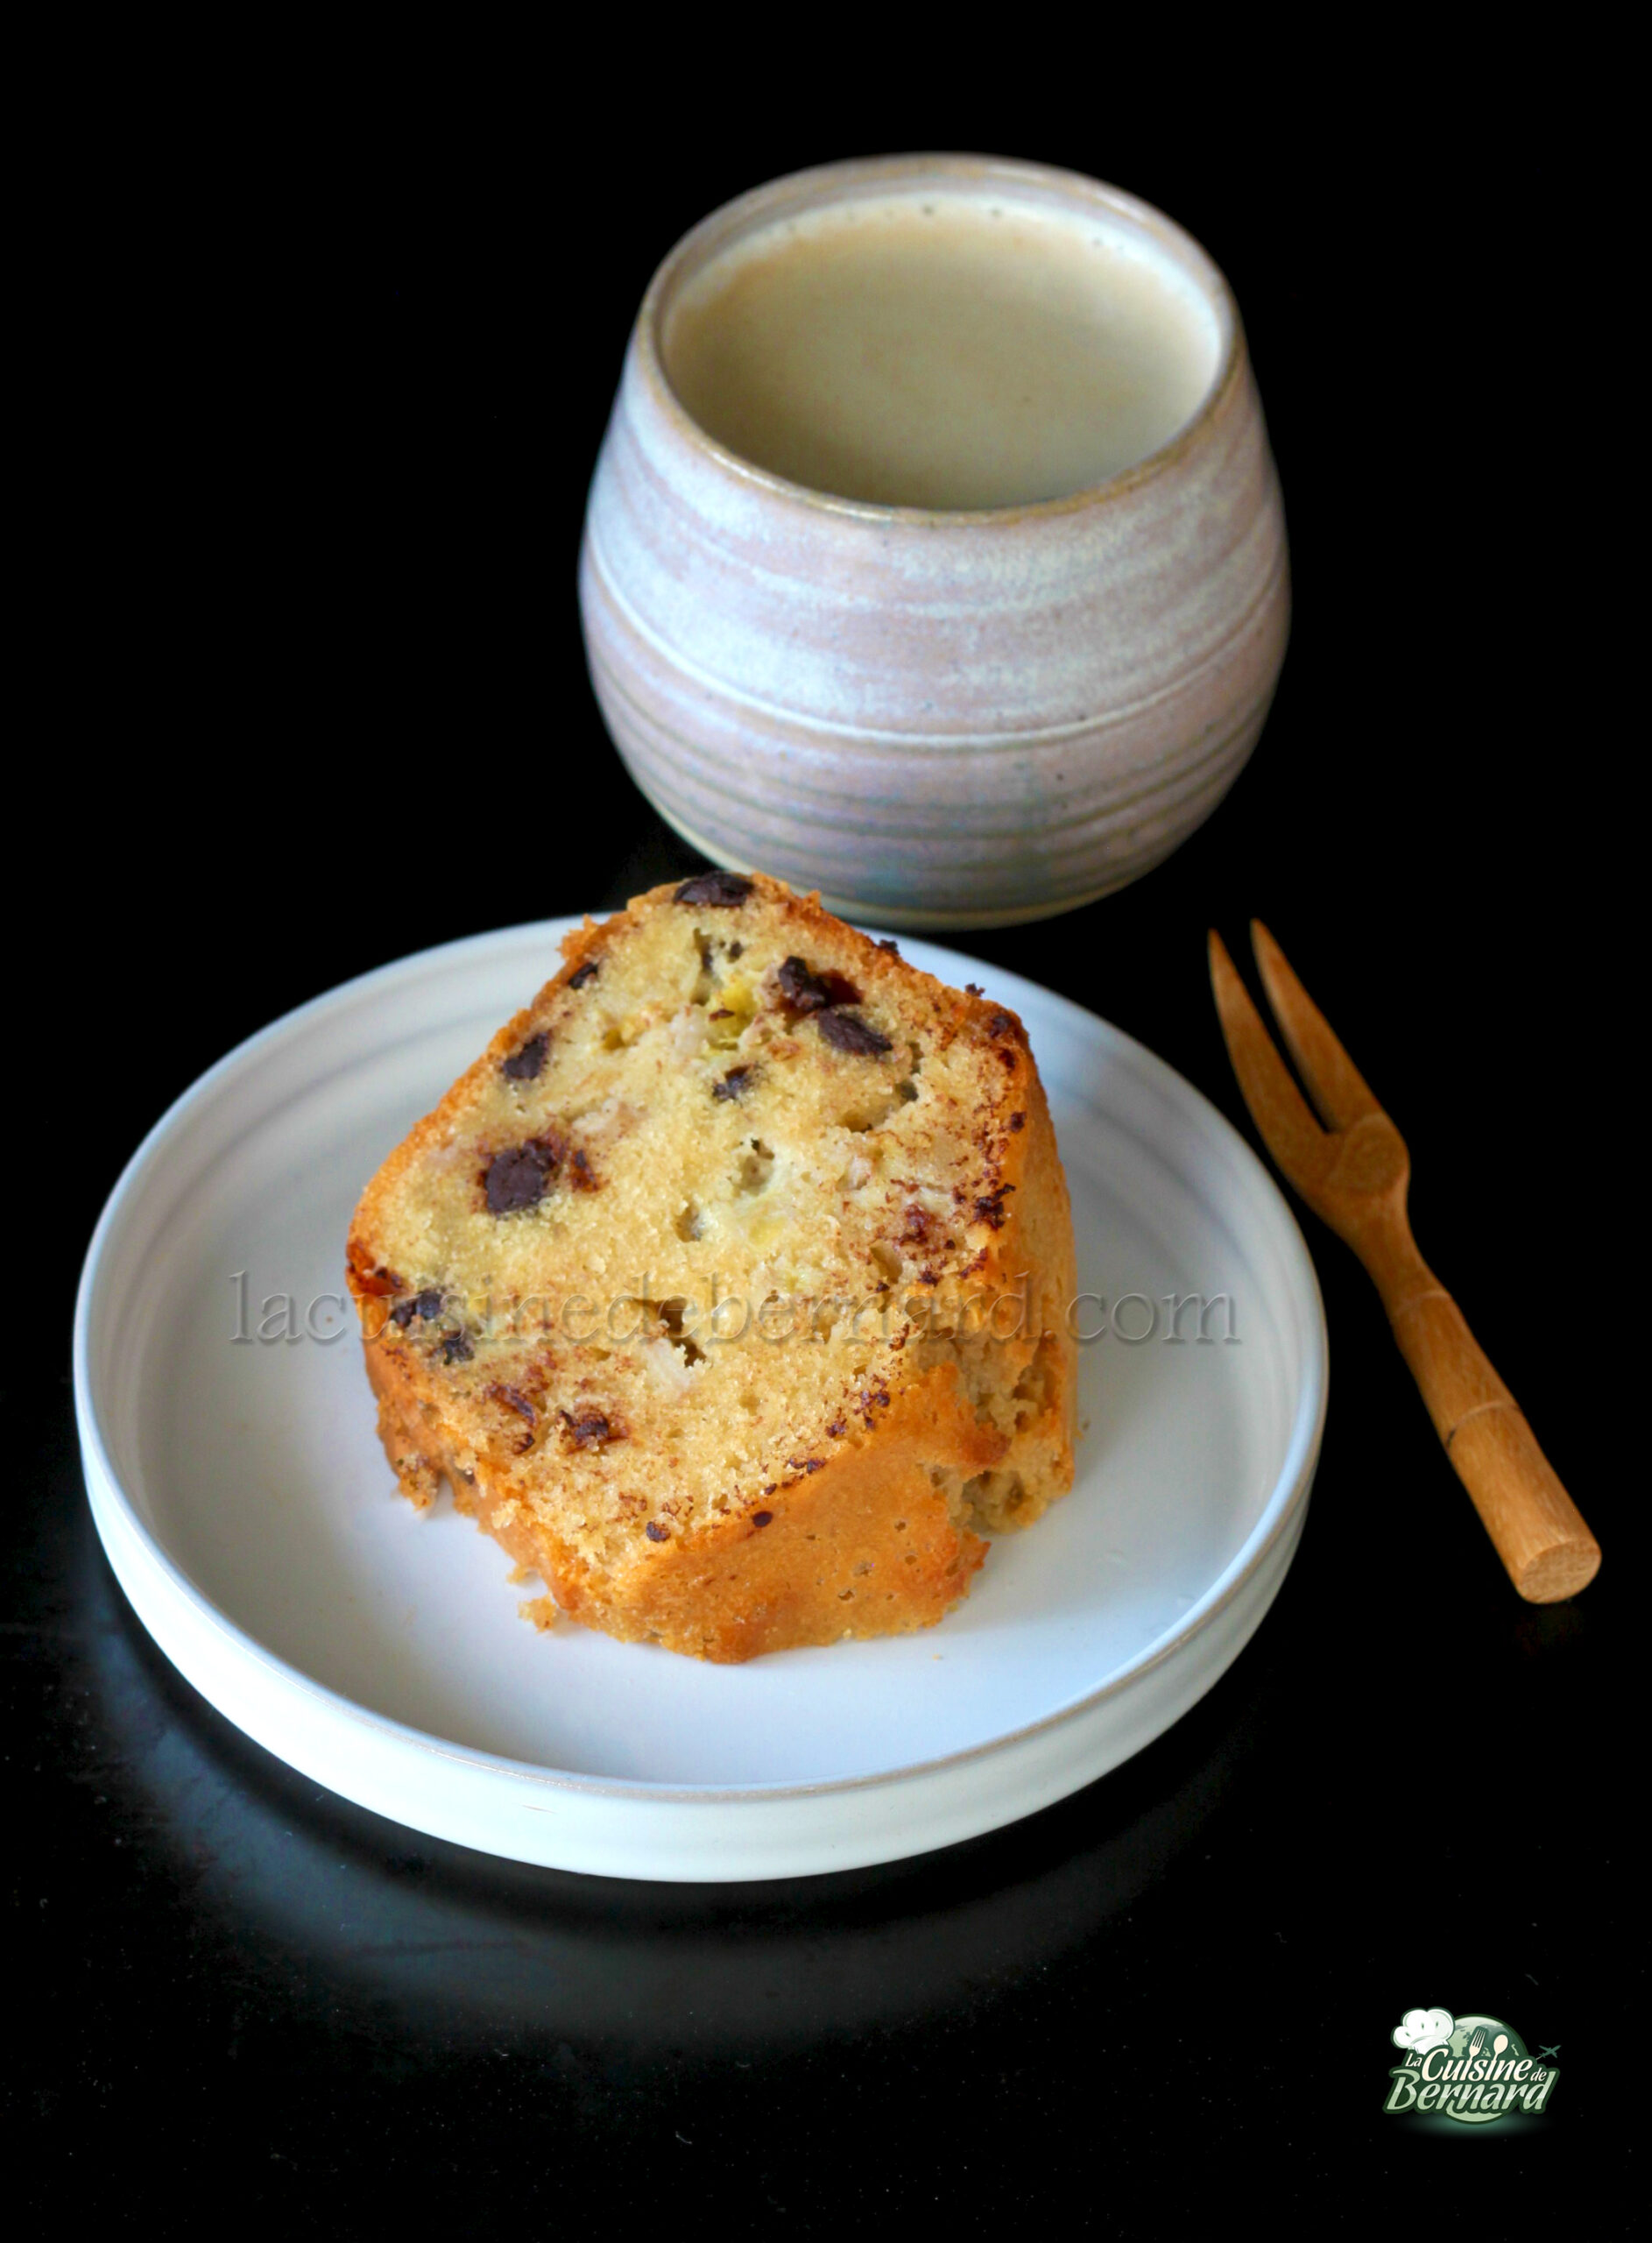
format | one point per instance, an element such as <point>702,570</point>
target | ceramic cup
<point>938,718</point>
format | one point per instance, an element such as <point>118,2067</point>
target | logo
<point>1474,2069</point>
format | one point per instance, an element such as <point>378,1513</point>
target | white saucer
<point>247,1512</point>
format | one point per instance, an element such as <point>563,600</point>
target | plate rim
<point>1279,1516</point>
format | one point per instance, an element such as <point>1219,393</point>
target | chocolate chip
<point>735,1084</point>
<point>838,1429</point>
<point>805,991</point>
<point>721,889</point>
<point>521,1176</point>
<point>891,946</point>
<point>990,1210</point>
<point>1018,1121</point>
<point>584,1176</point>
<point>523,1065</point>
<point>581,975</point>
<point>426,1305</point>
<point>455,1347</point>
<point>736,950</point>
<point>808,1464</point>
<point>590,1430</point>
<point>656,1533</point>
<point>1000,1024</point>
<point>762,1518</point>
<point>848,1032</point>
<point>513,1399</point>
<point>973,988</point>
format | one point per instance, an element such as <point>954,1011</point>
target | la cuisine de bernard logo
<point>1474,2070</point>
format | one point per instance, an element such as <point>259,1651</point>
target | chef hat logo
<point>1422,2030</point>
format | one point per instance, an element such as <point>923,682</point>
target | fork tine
<point>1334,1083</point>
<point>1278,1108</point>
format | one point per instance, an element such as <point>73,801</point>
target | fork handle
<point>1538,1530</point>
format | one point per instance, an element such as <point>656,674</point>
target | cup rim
<point>808,189</point>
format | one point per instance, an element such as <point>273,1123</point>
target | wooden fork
<point>1354,1173</point>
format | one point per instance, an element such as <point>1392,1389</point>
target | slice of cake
<point>729,1289</point>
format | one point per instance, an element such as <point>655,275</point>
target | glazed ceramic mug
<point>882,592</point>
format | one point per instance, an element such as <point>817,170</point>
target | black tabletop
<point>357,722</point>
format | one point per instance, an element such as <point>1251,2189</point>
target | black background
<point>327,646</point>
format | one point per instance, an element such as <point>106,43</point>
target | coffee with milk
<point>942,349</point>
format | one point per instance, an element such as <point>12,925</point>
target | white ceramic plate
<point>240,1492</point>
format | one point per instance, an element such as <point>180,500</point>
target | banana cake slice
<point>728,1289</point>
